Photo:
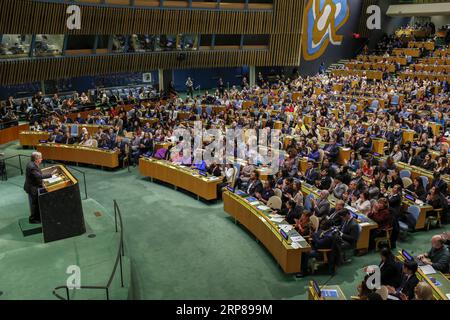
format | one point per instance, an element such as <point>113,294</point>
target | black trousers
<point>35,214</point>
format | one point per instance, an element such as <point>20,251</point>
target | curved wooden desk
<point>79,154</point>
<point>32,138</point>
<point>180,177</point>
<point>10,134</point>
<point>257,222</point>
<point>441,292</point>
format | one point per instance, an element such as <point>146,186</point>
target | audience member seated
<point>438,257</point>
<point>408,282</point>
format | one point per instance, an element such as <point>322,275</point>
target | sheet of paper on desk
<point>53,179</point>
<point>263,208</point>
<point>295,245</point>
<point>278,220</point>
<point>276,215</point>
<point>448,296</point>
<point>254,203</point>
<point>298,239</point>
<point>427,270</point>
<point>286,227</point>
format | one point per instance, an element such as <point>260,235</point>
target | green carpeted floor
<point>182,248</point>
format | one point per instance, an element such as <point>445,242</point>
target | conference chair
<point>406,182</point>
<point>308,203</point>
<point>274,203</point>
<point>384,239</point>
<point>425,182</point>
<point>436,219</point>
<point>314,223</point>
<point>412,215</point>
<point>405,174</point>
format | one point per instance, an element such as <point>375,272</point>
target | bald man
<point>438,257</point>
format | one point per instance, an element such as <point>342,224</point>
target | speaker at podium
<point>60,207</point>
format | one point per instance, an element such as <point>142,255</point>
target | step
<point>29,229</point>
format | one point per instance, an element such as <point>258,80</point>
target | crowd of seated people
<point>371,184</point>
<point>40,106</point>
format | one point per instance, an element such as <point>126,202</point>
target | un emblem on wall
<point>322,21</point>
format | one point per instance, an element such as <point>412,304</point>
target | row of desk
<point>428,45</point>
<point>412,33</point>
<point>435,60</point>
<point>371,66</point>
<point>11,134</point>
<point>33,138</point>
<point>431,68</point>
<point>381,59</point>
<point>370,74</point>
<point>413,52</point>
<point>179,176</point>
<point>79,154</point>
<point>442,53</point>
<point>423,76</point>
<point>258,219</point>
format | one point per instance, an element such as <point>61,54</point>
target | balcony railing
<point>177,4</point>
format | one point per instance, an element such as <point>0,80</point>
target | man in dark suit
<point>331,150</point>
<point>254,184</point>
<point>33,181</point>
<point>349,231</point>
<point>311,174</point>
<point>335,213</point>
<point>408,283</point>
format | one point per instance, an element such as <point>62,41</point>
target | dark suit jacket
<point>33,179</point>
<point>407,286</point>
<point>350,232</point>
<point>311,175</point>
<point>391,274</point>
<point>256,187</point>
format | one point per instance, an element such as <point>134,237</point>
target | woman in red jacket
<point>381,215</point>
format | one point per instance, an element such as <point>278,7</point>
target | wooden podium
<point>60,206</point>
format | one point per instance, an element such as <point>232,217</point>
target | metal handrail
<point>20,162</point>
<point>118,263</point>
<point>27,156</point>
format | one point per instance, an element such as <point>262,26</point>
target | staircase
<point>338,65</point>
